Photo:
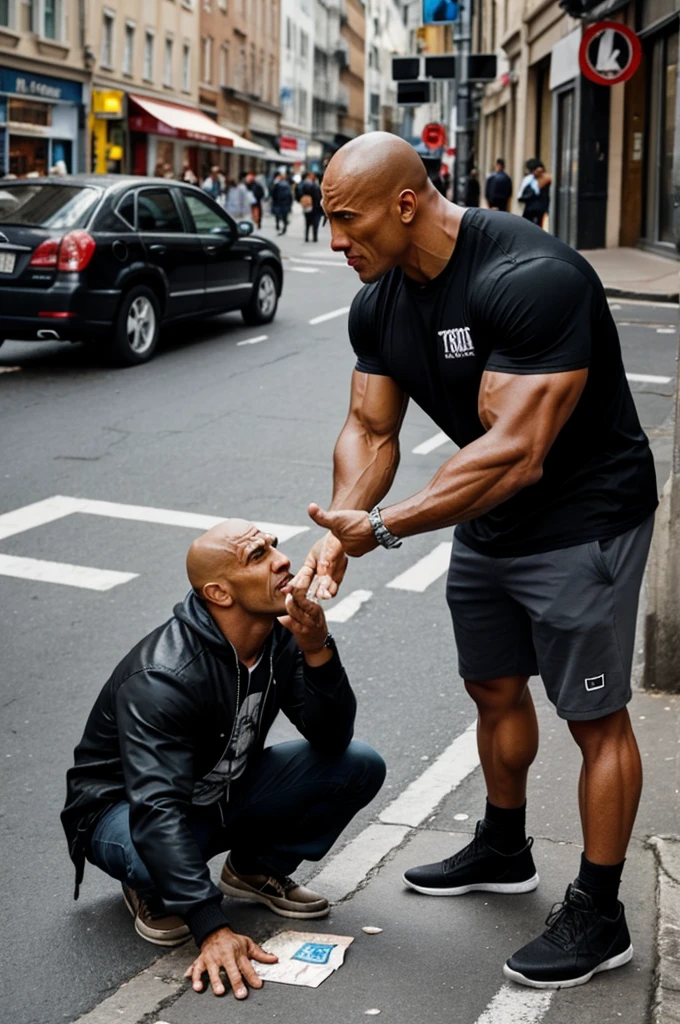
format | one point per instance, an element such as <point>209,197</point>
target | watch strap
<point>381,533</point>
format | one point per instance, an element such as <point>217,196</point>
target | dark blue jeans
<point>290,805</point>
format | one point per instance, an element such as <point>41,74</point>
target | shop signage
<point>434,135</point>
<point>610,53</point>
<point>40,87</point>
<point>290,144</point>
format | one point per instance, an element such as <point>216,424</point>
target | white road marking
<point>253,341</point>
<point>445,774</point>
<point>9,369</point>
<point>647,302</point>
<point>61,572</point>
<point>513,1004</point>
<point>432,442</point>
<point>50,509</point>
<point>348,869</point>
<point>319,261</point>
<point>349,606</point>
<point>329,316</point>
<point>647,378</point>
<point>665,330</point>
<point>304,270</point>
<point>424,572</point>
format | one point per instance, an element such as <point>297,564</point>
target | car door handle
<point>160,250</point>
<point>212,249</point>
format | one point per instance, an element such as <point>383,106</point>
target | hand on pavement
<point>225,950</point>
<point>350,527</point>
<point>323,569</point>
<point>306,621</point>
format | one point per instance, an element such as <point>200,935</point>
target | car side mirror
<point>246,227</point>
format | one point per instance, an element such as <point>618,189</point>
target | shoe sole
<point>231,890</point>
<point>608,965</point>
<point>512,888</point>
<point>151,936</point>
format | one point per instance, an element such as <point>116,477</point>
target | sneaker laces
<point>570,919</point>
<point>283,884</point>
<point>469,852</point>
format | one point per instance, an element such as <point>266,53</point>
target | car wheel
<point>137,327</point>
<point>262,306</point>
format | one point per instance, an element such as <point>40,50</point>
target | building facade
<point>297,77</point>
<point>353,66</point>
<point>44,91</point>
<point>386,37</point>
<point>613,151</point>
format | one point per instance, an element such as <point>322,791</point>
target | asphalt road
<point>216,427</point>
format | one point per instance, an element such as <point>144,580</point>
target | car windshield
<point>46,206</point>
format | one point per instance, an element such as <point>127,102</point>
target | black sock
<point>504,828</point>
<point>601,881</point>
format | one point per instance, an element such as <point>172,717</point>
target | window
<point>6,13</point>
<point>128,48</point>
<point>52,19</point>
<point>240,70</point>
<point>126,209</point>
<point>186,68</point>
<point>207,60</point>
<point>224,64</point>
<point>302,118</point>
<point>206,219</point>
<point>290,35</point>
<point>304,47</point>
<point>157,212</point>
<point>252,83</point>
<point>108,24</point>
<point>148,55</point>
<point>167,65</point>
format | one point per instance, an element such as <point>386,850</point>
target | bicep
<point>377,405</point>
<point>529,410</point>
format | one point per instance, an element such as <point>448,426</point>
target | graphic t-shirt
<point>514,299</point>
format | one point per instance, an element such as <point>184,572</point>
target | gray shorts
<point>568,615</point>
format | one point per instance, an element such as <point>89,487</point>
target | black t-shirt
<point>514,299</point>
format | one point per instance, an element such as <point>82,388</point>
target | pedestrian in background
<point>534,198</point>
<point>282,201</point>
<point>472,189</point>
<point>188,175</point>
<point>238,200</point>
<point>498,187</point>
<point>213,183</point>
<point>257,195</point>
<point>310,201</point>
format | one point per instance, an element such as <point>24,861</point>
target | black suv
<point>109,259</point>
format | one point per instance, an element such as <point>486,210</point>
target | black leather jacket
<point>157,731</point>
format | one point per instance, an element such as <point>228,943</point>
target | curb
<point>628,293</point>
<point>666,1006</point>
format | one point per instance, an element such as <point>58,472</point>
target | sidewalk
<point>633,274</point>
<point>439,961</point>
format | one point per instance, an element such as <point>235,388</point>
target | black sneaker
<point>578,943</point>
<point>476,868</point>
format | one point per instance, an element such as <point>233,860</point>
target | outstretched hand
<point>226,951</point>
<point>350,527</point>
<point>323,569</point>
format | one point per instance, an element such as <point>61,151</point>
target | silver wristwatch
<point>383,536</point>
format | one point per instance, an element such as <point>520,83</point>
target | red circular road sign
<point>434,135</point>
<point>610,53</point>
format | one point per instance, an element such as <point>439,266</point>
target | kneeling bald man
<point>172,770</point>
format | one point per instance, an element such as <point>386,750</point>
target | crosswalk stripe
<point>647,378</point>
<point>349,606</point>
<point>62,572</point>
<point>515,1005</point>
<point>425,571</point>
<point>432,442</point>
<point>253,341</point>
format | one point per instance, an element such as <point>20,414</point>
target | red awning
<point>160,118</point>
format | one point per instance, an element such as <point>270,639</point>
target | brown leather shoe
<point>153,923</point>
<point>278,892</point>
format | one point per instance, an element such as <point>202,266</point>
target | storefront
<point>108,132</point>
<point>39,123</point>
<point>164,137</point>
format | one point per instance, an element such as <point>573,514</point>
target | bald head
<point>383,210</point>
<point>211,554</point>
<point>379,163</point>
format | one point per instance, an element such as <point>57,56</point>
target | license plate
<point>7,261</point>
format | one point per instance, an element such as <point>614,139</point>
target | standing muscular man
<point>503,335</point>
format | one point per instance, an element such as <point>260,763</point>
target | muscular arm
<point>366,454</point>
<point>522,415</point>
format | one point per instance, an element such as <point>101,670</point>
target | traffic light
<point>443,66</point>
<point>405,68</point>
<point>410,94</point>
<point>482,67</point>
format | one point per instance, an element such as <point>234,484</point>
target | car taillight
<point>47,254</point>
<point>76,250</point>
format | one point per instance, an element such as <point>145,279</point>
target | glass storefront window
<point>667,141</point>
<point>30,112</point>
